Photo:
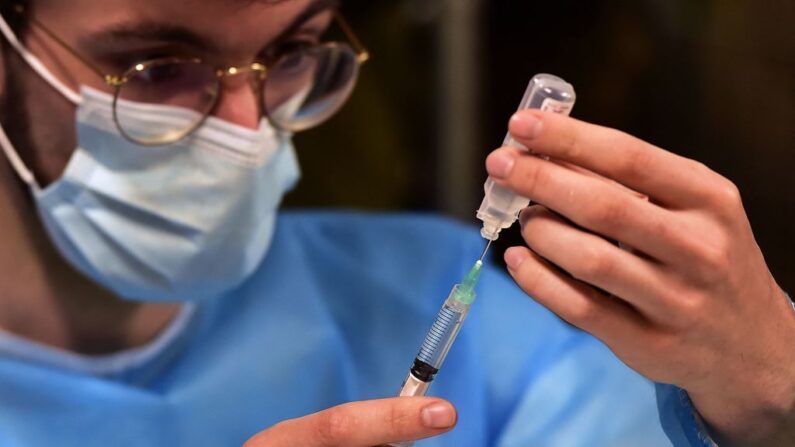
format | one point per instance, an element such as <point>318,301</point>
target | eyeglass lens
<point>162,101</point>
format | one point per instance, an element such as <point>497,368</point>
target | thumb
<point>364,423</point>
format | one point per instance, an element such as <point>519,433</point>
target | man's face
<point>116,34</point>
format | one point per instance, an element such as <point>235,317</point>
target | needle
<point>485,251</point>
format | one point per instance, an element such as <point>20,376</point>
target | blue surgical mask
<point>185,221</point>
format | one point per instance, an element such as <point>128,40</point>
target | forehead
<point>228,23</point>
<point>204,13</point>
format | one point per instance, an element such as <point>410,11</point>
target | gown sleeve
<point>679,418</point>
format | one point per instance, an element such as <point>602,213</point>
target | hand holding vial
<point>693,304</point>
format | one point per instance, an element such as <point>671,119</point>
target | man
<point>151,297</point>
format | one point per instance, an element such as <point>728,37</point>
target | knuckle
<point>531,280</point>
<point>700,168</point>
<point>665,228</point>
<point>711,263</point>
<point>724,197</point>
<point>532,174</point>
<point>572,144</point>
<point>334,427</point>
<point>713,259</point>
<point>639,160</point>
<point>583,315</point>
<point>691,307</point>
<point>607,213</point>
<point>591,266</point>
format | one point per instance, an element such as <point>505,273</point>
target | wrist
<point>761,408</point>
<point>735,423</point>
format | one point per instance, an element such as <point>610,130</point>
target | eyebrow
<point>154,31</point>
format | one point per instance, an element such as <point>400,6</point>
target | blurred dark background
<point>710,80</point>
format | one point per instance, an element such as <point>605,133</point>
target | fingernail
<point>438,415</point>
<point>500,163</point>
<point>525,125</point>
<point>515,256</point>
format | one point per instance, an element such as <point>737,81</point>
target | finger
<point>592,174</point>
<point>668,178</point>
<point>593,203</point>
<point>365,423</point>
<point>608,319</point>
<point>593,260</point>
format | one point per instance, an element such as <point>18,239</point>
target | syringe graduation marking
<point>442,325</point>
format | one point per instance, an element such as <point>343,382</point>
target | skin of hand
<point>362,424</point>
<point>692,303</point>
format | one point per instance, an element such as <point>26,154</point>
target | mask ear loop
<point>8,149</point>
<point>22,171</point>
<point>36,64</point>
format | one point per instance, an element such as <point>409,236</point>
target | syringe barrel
<point>443,332</point>
<point>436,345</point>
<point>500,207</point>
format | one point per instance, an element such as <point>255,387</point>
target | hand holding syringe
<point>499,210</point>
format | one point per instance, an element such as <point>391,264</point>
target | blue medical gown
<point>336,313</point>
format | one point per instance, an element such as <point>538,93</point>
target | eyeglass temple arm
<point>361,52</point>
<point>109,78</point>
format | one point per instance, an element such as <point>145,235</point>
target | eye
<point>289,49</point>
<point>162,73</point>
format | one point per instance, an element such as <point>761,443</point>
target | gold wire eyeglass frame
<point>258,69</point>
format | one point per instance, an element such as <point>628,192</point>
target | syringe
<point>440,337</point>
<point>499,210</point>
<point>501,206</point>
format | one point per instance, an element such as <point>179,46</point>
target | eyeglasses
<point>298,90</point>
